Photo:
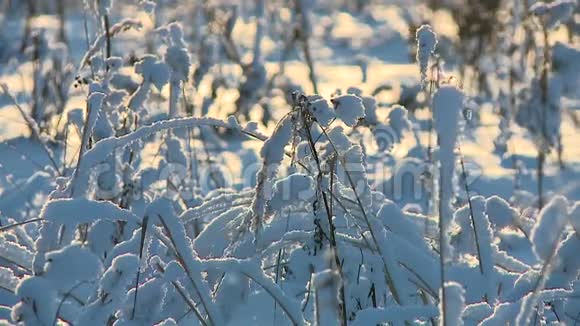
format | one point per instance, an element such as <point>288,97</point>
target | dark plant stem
<point>471,215</point>
<point>306,46</point>
<point>28,24</point>
<point>13,225</point>
<point>352,185</point>
<point>328,207</point>
<point>308,290</point>
<point>141,246</point>
<point>87,39</point>
<point>60,4</point>
<point>512,148</point>
<point>189,302</point>
<point>544,142</point>
<point>108,35</point>
<point>278,264</point>
<point>181,261</point>
<point>37,84</point>
<point>65,296</point>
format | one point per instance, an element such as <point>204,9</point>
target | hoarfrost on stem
<point>549,227</point>
<point>349,108</point>
<point>455,303</point>
<point>426,43</point>
<point>292,190</point>
<point>447,104</point>
<point>66,267</point>
<point>319,108</point>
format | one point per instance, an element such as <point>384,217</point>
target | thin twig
<point>13,225</point>
<point>66,295</point>
<point>185,267</point>
<point>302,34</point>
<point>328,208</point>
<point>32,125</point>
<point>107,35</point>
<point>141,246</point>
<point>189,302</point>
<point>471,214</point>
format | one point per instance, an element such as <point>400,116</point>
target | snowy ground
<point>495,175</point>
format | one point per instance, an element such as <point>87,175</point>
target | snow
<point>105,147</point>
<point>349,108</point>
<point>326,297</point>
<point>178,60</point>
<point>500,213</point>
<point>370,104</point>
<point>147,305</point>
<point>486,247</point>
<point>273,148</point>
<point>233,121</point>
<point>77,211</point>
<point>426,43</point>
<point>272,153</point>
<point>339,141</point>
<point>574,214</point>
<point>7,279</point>
<point>113,285</point>
<point>67,267</point>
<point>15,253</point>
<point>549,227</point>
<point>321,110</point>
<point>38,302</point>
<point>99,42</point>
<point>394,219</point>
<point>292,190</point>
<point>207,243</point>
<point>454,303</point>
<point>447,103</point>
<point>399,121</point>
<point>167,322</point>
<point>398,283</point>
<point>252,271</point>
<point>555,12</point>
<point>216,164</point>
<point>152,70</point>
<point>181,245</point>
<point>371,316</point>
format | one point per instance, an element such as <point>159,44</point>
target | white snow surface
<point>349,108</point>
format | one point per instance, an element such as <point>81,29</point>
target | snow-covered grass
<point>171,163</point>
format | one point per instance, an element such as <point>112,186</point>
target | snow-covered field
<point>289,162</point>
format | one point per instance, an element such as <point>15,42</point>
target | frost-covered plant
<point>539,110</point>
<point>335,170</point>
<point>426,43</point>
<point>177,59</point>
<point>312,238</point>
<point>447,104</point>
<point>477,24</point>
